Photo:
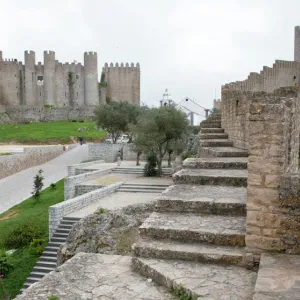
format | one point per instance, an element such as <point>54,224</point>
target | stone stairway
<point>196,237</point>
<point>142,188</point>
<point>47,261</point>
<point>137,170</point>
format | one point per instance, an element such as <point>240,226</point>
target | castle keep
<point>69,84</point>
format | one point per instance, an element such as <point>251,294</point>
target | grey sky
<point>189,46</point>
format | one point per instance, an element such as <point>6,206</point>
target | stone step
<point>46,264</point>
<point>60,235</point>
<point>149,248</point>
<point>47,258</point>
<point>67,222</point>
<point>52,246</point>
<point>65,226</point>
<point>192,228</point>
<point>222,152</point>
<point>211,130</point>
<point>71,219</point>
<point>216,143</point>
<point>204,199</point>
<point>42,269</point>
<point>204,136</point>
<point>223,177</point>
<point>144,187</point>
<point>32,280</point>
<point>216,163</point>
<point>63,230</point>
<point>138,191</point>
<point>38,274</point>
<point>206,281</point>
<point>211,125</point>
<point>50,253</point>
<point>58,240</point>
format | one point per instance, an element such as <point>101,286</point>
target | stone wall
<point>274,128</point>
<point>106,152</point>
<point>72,181</point>
<point>235,115</point>
<point>24,113</point>
<point>32,156</point>
<point>83,189</point>
<point>72,169</point>
<point>58,211</point>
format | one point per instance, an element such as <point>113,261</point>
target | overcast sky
<point>191,47</point>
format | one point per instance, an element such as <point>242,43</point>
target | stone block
<point>255,180</point>
<point>272,181</point>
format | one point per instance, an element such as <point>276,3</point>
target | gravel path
<point>17,187</point>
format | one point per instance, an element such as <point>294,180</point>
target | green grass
<point>48,132</point>
<point>33,211</point>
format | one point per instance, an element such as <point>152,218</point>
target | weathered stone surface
<point>278,277</point>
<point>212,130</point>
<point>220,230</point>
<point>222,152</point>
<point>111,232</point>
<point>211,177</point>
<point>204,136</point>
<point>210,282</point>
<point>216,143</point>
<point>206,253</point>
<point>216,163</point>
<point>205,199</point>
<point>96,276</point>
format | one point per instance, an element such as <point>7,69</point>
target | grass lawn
<point>48,132</point>
<point>32,211</point>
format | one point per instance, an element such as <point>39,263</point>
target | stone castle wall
<point>25,113</point>
<point>123,82</point>
<point>65,84</point>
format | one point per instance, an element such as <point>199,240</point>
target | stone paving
<point>17,187</point>
<point>210,282</point>
<point>96,276</point>
<point>114,201</point>
<point>278,277</point>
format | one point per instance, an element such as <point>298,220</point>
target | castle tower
<point>91,93</point>
<point>297,44</point>
<point>1,56</point>
<point>49,77</point>
<point>30,78</point>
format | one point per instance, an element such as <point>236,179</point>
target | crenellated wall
<point>65,85</point>
<point>123,82</point>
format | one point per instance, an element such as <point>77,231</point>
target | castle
<point>65,85</point>
<point>283,73</point>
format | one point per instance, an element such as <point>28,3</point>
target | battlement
<point>46,52</point>
<point>90,53</point>
<point>29,52</point>
<point>116,65</point>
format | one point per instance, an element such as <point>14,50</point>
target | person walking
<point>119,158</point>
<point>81,140</point>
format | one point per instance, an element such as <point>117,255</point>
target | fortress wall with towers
<point>56,84</point>
<point>123,82</point>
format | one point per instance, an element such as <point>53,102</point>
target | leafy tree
<point>157,129</point>
<point>115,118</point>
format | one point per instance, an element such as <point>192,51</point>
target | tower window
<point>40,78</point>
<point>77,94</point>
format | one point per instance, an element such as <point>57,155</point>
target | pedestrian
<point>80,140</point>
<point>119,158</point>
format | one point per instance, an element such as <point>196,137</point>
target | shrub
<point>37,246</point>
<point>38,184</point>
<point>53,298</point>
<point>22,235</point>
<point>150,167</point>
<point>81,121</point>
<point>74,121</point>
<point>5,266</point>
<point>53,186</point>
<point>186,155</point>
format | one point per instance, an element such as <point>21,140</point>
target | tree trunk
<point>169,158</point>
<point>138,158</point>
<point>159,163</point>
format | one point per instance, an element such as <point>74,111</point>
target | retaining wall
<point>72,181</point>
<point>32,156</point>
<point>58,211</point>
<point>72,169</point>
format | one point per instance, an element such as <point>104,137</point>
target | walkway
<point>17,187</point>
